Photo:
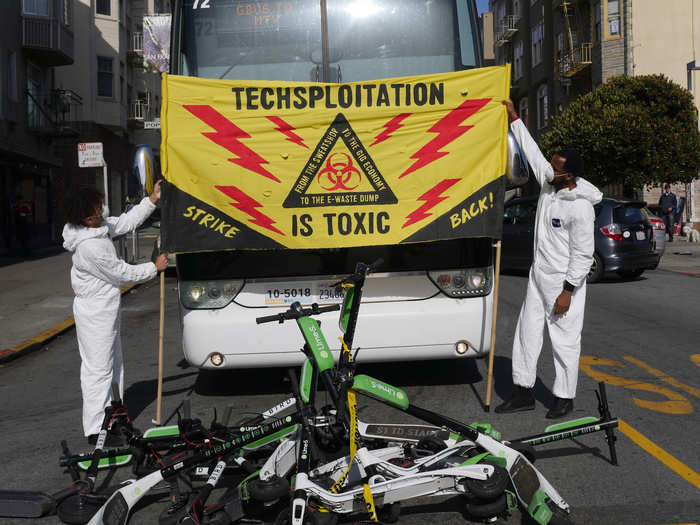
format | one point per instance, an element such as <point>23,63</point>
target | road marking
<point>45,335</point>
<point>667,459</point>
<point>664,377</point>
<point>676,404</point>
<point>695,358</point>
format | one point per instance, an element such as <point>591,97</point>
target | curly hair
<point>572,161</point>
<point>83,203</point>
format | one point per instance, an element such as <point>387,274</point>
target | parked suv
<point>624,237</point>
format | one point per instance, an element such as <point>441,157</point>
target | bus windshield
<point>325,41</point>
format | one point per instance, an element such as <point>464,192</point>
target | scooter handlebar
<point>362,270</point>
<point>293,313</point>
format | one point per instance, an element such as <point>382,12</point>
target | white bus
<point>428,300</point>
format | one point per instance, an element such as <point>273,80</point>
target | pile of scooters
<point>301,464</point>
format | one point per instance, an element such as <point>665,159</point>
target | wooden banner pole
<point>159,399</point>
<point>496,281</point>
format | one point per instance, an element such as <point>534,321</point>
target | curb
<point>30,345</point>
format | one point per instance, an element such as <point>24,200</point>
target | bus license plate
<point>641,236</point>
<point>287,293</point>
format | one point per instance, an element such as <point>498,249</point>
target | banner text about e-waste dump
<point>256,165</point>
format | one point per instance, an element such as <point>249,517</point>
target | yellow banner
<point>255,164</point>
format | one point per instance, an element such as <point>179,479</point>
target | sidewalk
<point>37,298</point>
<point>681,256</point>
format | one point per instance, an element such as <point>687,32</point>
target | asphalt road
<point>642,335</point>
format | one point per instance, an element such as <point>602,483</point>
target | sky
<point>482,5</point>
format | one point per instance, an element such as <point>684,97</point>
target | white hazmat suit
<point>96,277</point>
<point>563,251</point>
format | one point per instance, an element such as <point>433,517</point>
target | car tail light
<point>473,282</point>
<point>657,224</point>
<point>612,231</point>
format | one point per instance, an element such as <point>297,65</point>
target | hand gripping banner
<point>260,165</point>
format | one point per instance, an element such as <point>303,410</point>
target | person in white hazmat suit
<point>97,276</point>
<point>556,290</point>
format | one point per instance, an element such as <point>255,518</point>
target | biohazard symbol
<point>348,177</point>
<point>337,173</point>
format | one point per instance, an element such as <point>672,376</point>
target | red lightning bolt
<point>432,198</point>
<point>286,129</point>
<point>390,127</point>
<point>228,135</point>
<point>448,129</point>
<point>247,205</point>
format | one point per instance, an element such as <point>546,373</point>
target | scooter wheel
<point>311,517</point>
<point>75,510</point>
<point>268,490</point>
<point>490,509</point>
<point>490,488</point>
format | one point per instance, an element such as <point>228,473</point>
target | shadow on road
<point>274,380</point>
<point>142,393</point>
<point>503,384</point>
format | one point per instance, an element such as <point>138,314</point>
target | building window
<point>12,75</point>
<point>122,74</point>
<point>537,37</point>
<point>522,110</point>
<point>103,7</point>
<point>35,7</point>
<point>542,110</point>
<point>67,13</point>
<point>559,51</point>
<point>104,77</point>
<point>501,11</point>
<point>613,17</point>
<point>34,81</point>
<point>518,60</point>
<point>597,37</point>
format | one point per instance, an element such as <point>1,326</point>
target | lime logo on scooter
<point>305,449</point>
<point>381,390</point>
<point>317,342</point>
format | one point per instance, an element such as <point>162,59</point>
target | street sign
<point>151,124</point>
<point>90,155</point>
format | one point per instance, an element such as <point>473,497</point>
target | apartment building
<point>119,94</point>
<point>36,41</point>
<point>561,49</point>
<point>70,71</point>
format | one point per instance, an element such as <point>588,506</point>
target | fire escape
<point>507,27</point>
<point>55,113</point>
<point>577,56</point>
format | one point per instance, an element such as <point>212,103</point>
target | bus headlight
<point>208,294</point>
<point>196,293</point>
<point>471,282</point>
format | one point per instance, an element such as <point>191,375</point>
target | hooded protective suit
<point>96,277</point>
<point>563,251</point>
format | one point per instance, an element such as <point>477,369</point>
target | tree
<point>636,131</point>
